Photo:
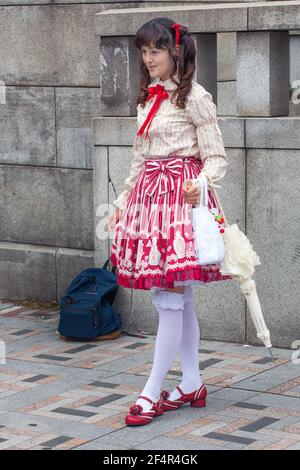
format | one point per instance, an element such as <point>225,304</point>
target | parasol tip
<point>271,354</point>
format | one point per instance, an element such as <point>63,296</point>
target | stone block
<point>273,230</point>
<point>200,18</point>
<point>27,272</point>
<point>226,53</point>
<point>263,73</point>
<point>46,206</point>
<point>207,62</point>
<point>49,45</point>
<point>227,98</point>
<point>274,15</point>
<point>27,126</point>
<point>75,110</point>
<point>119,76</point>
<point>275,133</point>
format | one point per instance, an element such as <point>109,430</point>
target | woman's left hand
<point>190,192</point>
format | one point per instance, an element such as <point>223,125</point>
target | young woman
<point>153,245</point>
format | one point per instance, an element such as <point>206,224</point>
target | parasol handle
<point>213,189</point>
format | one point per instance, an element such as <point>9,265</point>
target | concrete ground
<point>69,395</point>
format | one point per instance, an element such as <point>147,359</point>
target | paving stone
<point>209,362</point>
<point>56,441</point>
<point>21,332</point>
<point>69,411</point>
<point>37,367</point>
<point>230,438</point>
<point>80,349</point>
<point>36,378</point>
<point>165,443</point>
<point>104,400</point>
<point>123,364</point>
<point>270,378</point>
<point>134,345</point>
<point>250,406</point>
<point>97,445</point>
<point>266,438</point>
<point>60,427</point>
<point>53,358</point>
<point>277,401</point>
<point>103,384</point>
<point>263,360</point>
<point>259,424</point>
<point>284,422</point>
<point>232,394</point>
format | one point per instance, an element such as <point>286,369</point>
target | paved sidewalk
<point>70,395</point>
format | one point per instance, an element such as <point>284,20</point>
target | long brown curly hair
<point>159,33</point>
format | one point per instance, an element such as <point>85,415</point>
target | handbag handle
<point>203,190</point>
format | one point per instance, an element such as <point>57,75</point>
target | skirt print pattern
<point>153,244</point>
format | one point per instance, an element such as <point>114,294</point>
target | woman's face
<point>157,61</point>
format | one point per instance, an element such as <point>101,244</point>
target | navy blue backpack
<point>86,310</point>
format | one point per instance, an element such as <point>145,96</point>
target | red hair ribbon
<point>177,27</point>
<point>161,94</point>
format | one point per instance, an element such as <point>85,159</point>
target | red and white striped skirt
<point>153,244</point>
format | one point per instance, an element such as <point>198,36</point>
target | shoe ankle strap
<point>146,398</point>
<point>180,391</point>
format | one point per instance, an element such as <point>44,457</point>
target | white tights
<point>178,331</point>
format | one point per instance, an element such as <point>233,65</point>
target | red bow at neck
<point>161,94</point>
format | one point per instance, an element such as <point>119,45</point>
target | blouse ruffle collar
<point>168,84</point>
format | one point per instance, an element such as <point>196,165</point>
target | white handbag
<point>209,241</point>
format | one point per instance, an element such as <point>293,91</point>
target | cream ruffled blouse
<point>181,132</point>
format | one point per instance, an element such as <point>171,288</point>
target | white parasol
<point>239,262</point>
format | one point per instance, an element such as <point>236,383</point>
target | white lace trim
<point>168,300</point>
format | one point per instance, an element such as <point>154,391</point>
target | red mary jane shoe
<point>136,416</point>
<point>197,398</point>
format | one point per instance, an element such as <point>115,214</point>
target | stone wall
<point>60,153</point>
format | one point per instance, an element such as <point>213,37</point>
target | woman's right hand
<point>190,192</point>
<point>113,219</point>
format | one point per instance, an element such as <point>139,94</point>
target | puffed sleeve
<point>129,183</point>
<point>203,113</point>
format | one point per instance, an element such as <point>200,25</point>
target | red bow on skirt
<point>161,176</point>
